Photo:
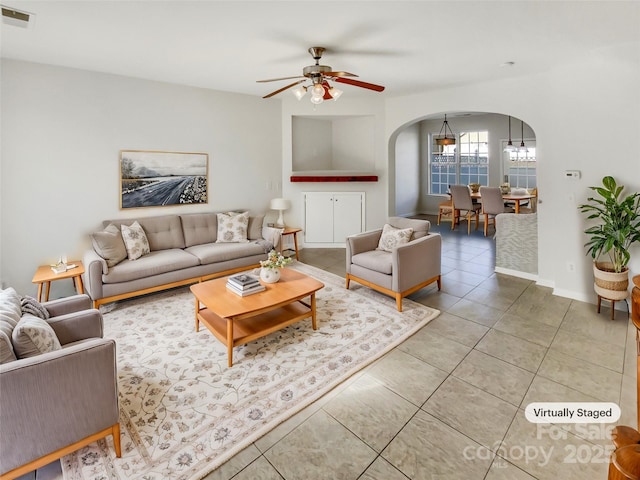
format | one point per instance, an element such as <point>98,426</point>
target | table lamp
<point>280,204</point>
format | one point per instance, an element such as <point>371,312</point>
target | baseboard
<point>517,273</point>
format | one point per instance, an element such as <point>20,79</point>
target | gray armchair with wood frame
<point>57,402</point>
<point>405,269</point>
<point>463,205</point>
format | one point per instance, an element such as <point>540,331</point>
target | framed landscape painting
<point>156,179</point>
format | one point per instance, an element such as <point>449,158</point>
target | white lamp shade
<point>280,204</point>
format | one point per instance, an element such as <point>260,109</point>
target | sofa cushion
<point>393,237</point>
<point>109,245</point>
<point>199,228</point>
<point>420,227</point>
<point>10,308</point>
<point>154,263</point>
<point>222,252</point>
<point>163,232</point>
<point>33,336</point>
<point>232,227</point>
<point>377,260</point>
<point>254,230</point>
<point>135,241</point>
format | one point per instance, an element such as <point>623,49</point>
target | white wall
<point>407,170</point>
<point>377,195</point>
<point>62,130</point>
<point>313,148</point>
<point>574,111</point>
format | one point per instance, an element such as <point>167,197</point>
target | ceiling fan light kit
<point>319,75</point>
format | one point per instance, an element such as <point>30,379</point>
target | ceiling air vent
<point>17,18</point>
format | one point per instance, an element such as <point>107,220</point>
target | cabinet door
<point>347,215</point>
<point>318,227</point>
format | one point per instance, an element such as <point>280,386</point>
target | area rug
<point>183,412</point>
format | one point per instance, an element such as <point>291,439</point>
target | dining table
<point>510,197</point>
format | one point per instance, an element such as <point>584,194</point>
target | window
<point>520,167</point>
<point>461,164</point>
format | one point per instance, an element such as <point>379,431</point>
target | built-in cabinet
<point>329,217</point>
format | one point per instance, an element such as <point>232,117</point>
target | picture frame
<point>150,178</point>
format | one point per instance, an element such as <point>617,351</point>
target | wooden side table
<point>44,276</point>
<point>291,231</point>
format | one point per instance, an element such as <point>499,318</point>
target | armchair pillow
<point>109,245</point>
<point>135,240</point>
<point>33,336</point>
<point>393,237</point>
<point>232,227</point>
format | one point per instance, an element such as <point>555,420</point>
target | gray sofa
<point>403,269</point>
<point>56,395</point>
<point>183,250</point>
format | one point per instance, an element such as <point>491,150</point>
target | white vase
<point>269,275</point>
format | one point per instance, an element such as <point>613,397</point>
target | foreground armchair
<point>56,402</point>
<point>400,270</point>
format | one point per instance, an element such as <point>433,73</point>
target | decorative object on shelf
<point>510,146</point>
<point>280,204</point>
<point>320,75</point>
<point>445,140</point>
<point>270,271</point>
<point>619,228</point>
<point>154,179</point>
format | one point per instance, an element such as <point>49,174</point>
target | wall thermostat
<point>575,174</point>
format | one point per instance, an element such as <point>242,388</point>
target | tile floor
<point>449,402</point>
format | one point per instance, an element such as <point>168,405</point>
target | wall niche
<point>333,145</point>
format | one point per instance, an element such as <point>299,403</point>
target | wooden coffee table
<point>236,320</point>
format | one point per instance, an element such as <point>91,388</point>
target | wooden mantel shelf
<point>334,178</point>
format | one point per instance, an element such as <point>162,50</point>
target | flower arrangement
<point>275,260</point>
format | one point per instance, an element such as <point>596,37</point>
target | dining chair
<point>532,206</point>
<point>492,205</point>
<point>445,209</point>
<point>463,205</point>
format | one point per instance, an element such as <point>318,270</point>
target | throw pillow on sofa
<point>109,245</point>
<point>232,227</point>
<point>393,237</point>
<point>135,240</point>
<point>33,336</point>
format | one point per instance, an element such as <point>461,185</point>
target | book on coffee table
<point>247,291</point>
<point>243,281</point>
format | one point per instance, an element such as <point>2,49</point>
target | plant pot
<point>609,284</point>
<point>269,275</point>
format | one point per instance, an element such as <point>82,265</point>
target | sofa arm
<point>77,326</point>
<point>361,242</point>
<point>55,399</point>
<point>416,261</point>
<point>62,306</point>
<point>94,267</point>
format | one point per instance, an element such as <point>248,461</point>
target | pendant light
<point>510,146</point>
<point>522,148</point>
<point>445,140</point>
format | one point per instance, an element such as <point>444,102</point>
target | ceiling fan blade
<point>277,79</point>
<point>284,88</point>
<point>358,83</point>
<point>339,74</point>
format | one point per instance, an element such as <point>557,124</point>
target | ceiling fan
<point>320,75</point>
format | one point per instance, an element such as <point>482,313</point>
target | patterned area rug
<point>183,412</point>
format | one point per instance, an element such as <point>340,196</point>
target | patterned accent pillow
<point>109,245</point>
<point>232,227</point>
<point>135,240</point>
<point>33,336</point>
<point>393,237</point>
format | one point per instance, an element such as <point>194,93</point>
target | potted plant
<point>618,229</point>
<point>270,271</point>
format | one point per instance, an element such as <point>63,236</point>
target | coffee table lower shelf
<point>244,329</point>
